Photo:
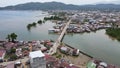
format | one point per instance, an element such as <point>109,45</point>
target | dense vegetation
<point>53,18</point>
<point>34,24</point>
<point>40,22</point>
<point>114,32</point>
<point>31,25</point>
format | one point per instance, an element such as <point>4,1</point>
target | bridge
<point>58,41</point>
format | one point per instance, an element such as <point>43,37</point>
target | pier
<point>58,41</point>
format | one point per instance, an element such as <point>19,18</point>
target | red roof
<point>49,44</point>
<point>10,45</point>
<point>47,56</point>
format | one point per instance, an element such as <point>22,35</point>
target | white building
<point>37,59</point>
<point>19,52</point>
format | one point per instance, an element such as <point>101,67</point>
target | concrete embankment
<point>79,51</point>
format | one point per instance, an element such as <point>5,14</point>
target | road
<point>22,60</point>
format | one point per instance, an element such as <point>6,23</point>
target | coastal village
<point>39,53</point>
<point>88,21</point>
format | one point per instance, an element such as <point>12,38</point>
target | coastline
<point>80,51</point>
<point>72,46</point>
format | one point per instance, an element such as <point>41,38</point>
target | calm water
<point>16,21</point>
<point>96,44</point>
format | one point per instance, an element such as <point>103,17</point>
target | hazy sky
<point>77,2</point>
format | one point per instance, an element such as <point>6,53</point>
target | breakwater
<point>79,51</point>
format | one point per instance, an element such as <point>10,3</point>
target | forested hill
<point>59,6</point>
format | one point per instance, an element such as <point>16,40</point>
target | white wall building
<point>37,59</point>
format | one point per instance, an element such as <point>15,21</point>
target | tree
<point>13,57</point>
<point>13,37</point>
<point>85,20</point>
<point>39,22</point>
<point>8,37</point>
<point>33,24</point>
<point>13,50</point>
<point>114,32</point>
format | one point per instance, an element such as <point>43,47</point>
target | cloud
<point>109,2</point>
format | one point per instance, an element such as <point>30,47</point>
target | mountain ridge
<point>59,6</point>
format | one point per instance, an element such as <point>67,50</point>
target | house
<point>65,50</point>
<point>25,53</point>
<point>19,52</point>
<point>48,45</point>
<point>37,59</point>
<point>75,52</point>
<point>118,25</point>
<point>43,49</point>
<point>2,54</point>
<point>9,45</point>
<point>20,43</point>
<point>41,46</point>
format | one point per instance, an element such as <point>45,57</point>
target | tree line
<point>114,32</point>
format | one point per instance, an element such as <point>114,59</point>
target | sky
<point>4,3</point>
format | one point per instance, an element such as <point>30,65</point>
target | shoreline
<point>92,58</point>
<point>79,51</point>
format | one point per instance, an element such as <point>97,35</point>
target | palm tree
<point>8,37</point>
<point>13,37</point>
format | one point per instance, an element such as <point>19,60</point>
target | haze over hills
<point>59,6</point>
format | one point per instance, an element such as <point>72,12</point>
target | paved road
<point>22,60</point>
<point>58,41</point>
